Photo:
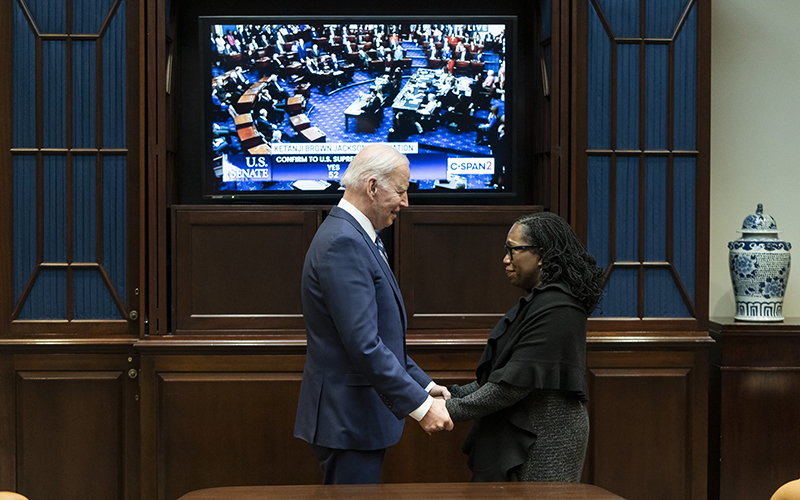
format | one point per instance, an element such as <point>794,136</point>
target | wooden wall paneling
<point>239,270</point>
<point>449,265</point>
<point>155,130</point>
<point>648,413</point>
<point>8,445</point>
<point>223,420</point>
<point>74,424</point>
<point>418,457</point>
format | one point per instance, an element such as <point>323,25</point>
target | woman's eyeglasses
<point>510,250</point>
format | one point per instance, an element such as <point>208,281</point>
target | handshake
<point>437,418</point>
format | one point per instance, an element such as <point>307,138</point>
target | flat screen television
<point>289,101</point>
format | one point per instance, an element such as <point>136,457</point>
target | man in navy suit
<point>358,383</point>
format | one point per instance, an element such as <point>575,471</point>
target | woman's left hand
<point>440,391</point>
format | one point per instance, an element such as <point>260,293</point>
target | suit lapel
<point>338,212</point>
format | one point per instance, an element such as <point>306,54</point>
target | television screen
<point>289,102</point>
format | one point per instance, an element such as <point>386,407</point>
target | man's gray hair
<point>375,160</point>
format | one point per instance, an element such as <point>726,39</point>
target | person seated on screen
<point>296,48</point>
<point>460,52</point>
<point>402,127</point>
<point>275,90</point>
<point>382,51</point>
<point>460,114</point>
<point>446,52</point>
<point>363,57</point>
<point>233,89</point>
<point>263,124</point>
<point>398,52</point>
<point>315,51</point>
<point>488,131</point>
<point>312,66</point>
<point>252,45</point>
<point>373,105</point>
<point>219,43</point>
<point>429,114</point>
<point>266,102</point>
<point>489,82</point>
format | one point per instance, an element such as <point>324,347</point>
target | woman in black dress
<point>528,401</point>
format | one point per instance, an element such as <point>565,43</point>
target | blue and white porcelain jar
<point>759,264</point>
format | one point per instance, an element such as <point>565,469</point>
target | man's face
<point>387,201</point>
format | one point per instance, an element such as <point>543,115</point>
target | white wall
<point>755,133</point>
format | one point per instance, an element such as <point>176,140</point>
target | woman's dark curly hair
<point>564,258</point>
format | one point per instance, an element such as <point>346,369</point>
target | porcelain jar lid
<point>759,222</point>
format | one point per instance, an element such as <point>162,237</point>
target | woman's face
<point>523,265</point>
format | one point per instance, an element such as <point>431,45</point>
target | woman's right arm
<point>485,400</point>
<point>459,391</point>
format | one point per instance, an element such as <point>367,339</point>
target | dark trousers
<point>349,466</point>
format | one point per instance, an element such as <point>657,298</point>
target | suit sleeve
<point>349,290</point>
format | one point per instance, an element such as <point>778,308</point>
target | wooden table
<point>408,491</point>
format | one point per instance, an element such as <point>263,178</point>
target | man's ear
<point>373,186</point>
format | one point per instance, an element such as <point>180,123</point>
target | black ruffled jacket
<point>539,344</point>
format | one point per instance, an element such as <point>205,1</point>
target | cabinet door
<point>240,270</point>
<point>74,423</point>
<point>69,259</point>
<point>641,157</point>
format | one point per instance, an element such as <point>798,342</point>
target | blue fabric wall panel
<point>89,15</point>
<point>114,92</point>
<point>627,97</point>
<point>54,76</point>
<point>623,16</point>
<point>84,207</point>
<point>662,17</point>
<point>55,209</point>
<point>662,299</point>
<point>597,240</point>
<point>84,94</point>
<point>24,221</point>
<point>684,226</point>
<point>50,15</point>
<point>655,209</point>
<point>546,7</point>
<point>657,77</point>
<point>92,300</point>
<point>114,217</point>
<point>627,216</point>
<point>621,296</point>
<point>48,299</point>
<point>686,85</point>
<point>24,83</point>
<point>599,84</point>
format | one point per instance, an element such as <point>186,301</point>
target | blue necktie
<point>381,248</point>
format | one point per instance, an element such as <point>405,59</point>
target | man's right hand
<point>437,418</point>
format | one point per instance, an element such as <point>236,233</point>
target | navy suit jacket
<point>358,382</point>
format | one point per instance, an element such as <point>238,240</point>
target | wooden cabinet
<point>758,406</point>
<point>70,422</point>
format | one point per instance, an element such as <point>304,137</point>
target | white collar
<point>359,217</point>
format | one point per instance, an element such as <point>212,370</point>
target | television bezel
<point>514,120</point>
